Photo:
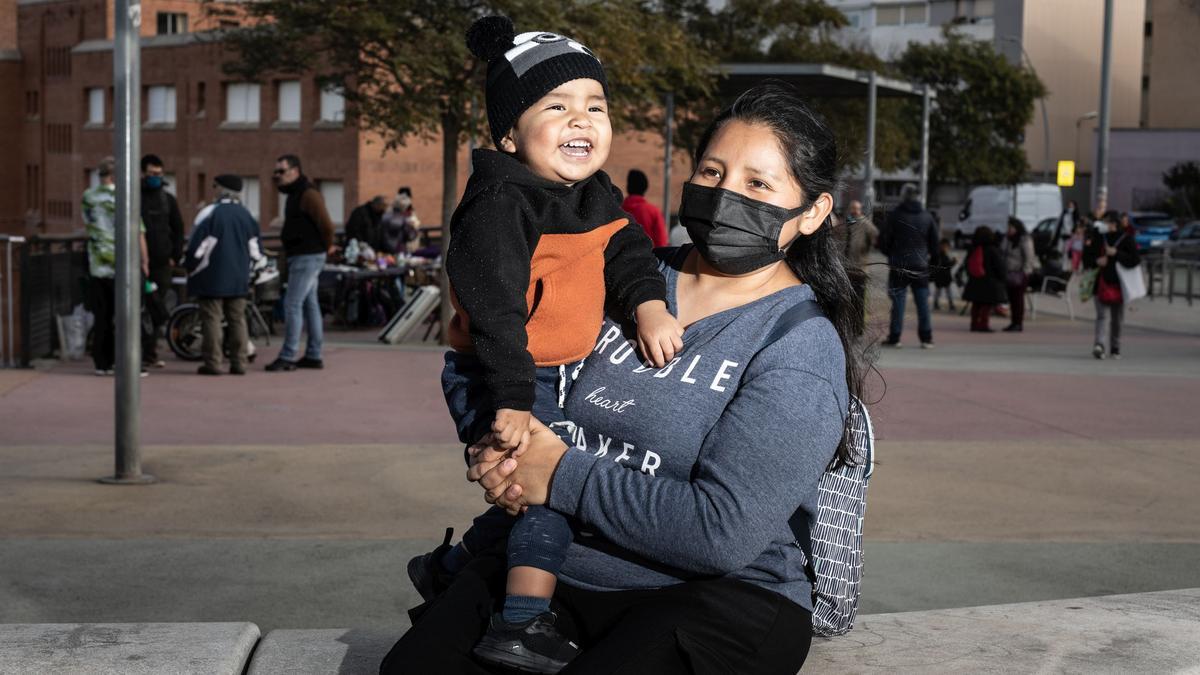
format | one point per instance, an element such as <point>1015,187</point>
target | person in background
<point>1075,245</point>
<point>307,238</point>
<point>910,241</point>
<point>942,274</point>
<point>1019,263</point>
<point>399,229</point>
<point>1104,251</point>
<point>986,277</point>
<point>223,245</point>
<point>99,211</point>
<point>861,234</point>
<point>364,222</point>
<point>164,244</point>
<point>646,214</point>
<point>1067,223</point>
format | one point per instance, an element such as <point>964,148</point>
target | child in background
<point>538,245</point>
<point>1075,246</point>
<point>942,268</point>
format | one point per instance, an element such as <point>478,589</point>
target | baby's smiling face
<point>565,137</point>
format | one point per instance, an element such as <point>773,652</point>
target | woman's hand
<point>519,479</point>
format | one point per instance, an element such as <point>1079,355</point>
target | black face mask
<point>734,233</point>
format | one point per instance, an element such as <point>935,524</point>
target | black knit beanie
<point>523,68</point>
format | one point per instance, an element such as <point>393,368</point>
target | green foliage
<point>1183,180</point>
<point>405,69</point>
<point>983,105</point>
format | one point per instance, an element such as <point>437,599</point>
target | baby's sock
<point>522,608</point>
<point>456,559</point>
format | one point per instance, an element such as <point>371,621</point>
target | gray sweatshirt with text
<point>692,470</point>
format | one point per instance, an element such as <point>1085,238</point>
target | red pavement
<point>373,395</point>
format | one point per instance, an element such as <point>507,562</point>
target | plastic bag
<point>73,332</point>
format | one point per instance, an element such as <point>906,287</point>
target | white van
<point>991,205</point>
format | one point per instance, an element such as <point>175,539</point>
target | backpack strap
<point>791,318</point>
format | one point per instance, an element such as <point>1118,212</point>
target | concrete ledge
<point>352,651</point>
<point>127,648</point>
<point>1143,632</point>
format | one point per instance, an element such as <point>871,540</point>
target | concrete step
<point>127,648</point>
<point>1143,632</point>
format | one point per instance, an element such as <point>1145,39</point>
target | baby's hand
<point>511,428</point>
<point>660,337</point>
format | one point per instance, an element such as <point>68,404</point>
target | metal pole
<point>128,19</point>
<point>10,351</point>
<point>869,178</point>
<point>925,103</point>
<point>1101,186</point>
<point>668,133</point>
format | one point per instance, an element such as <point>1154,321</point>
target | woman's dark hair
<point>983,236</point>
<point>810,148</point>
<point>1016,224</point>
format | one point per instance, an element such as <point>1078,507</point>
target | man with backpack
<point>910,241</point>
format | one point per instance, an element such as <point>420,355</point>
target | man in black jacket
<point>910,241</point>
<point>164,243</point>
<point>363,223</point>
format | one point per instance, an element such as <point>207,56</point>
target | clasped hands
<point>516,478</point>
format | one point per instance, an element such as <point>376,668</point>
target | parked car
<point>992,205</point>
<point>1044,244</point>
<point>1188,235</point>
<point>1152,228</point>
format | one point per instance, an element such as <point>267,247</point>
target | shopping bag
<point>1133,284</point>
<point>1087,284</point>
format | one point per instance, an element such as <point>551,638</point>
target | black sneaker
<point>426,571</point>
<point>535,646</point>
<point>207,370</point>
<point>280,365</point>
<point>235,369</point>
<point>315,364</point>
<point>895,344</point>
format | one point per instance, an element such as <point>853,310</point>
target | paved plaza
<point>1012,467</point>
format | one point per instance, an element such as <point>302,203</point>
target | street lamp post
<point>1045,118</point>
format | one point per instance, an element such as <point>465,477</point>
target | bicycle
<point>184,334</point>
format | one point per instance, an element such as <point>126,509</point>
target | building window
<point>95,106</point>
<point>160,105</point>
<point>202,187</point>
<point>251,196</point>
<point>201,99</point>
<point>915,15</point>
<point>333,105</point>
<point>983,10</point>
<point>32,103</point>
<point>887,16</point>
<point>289,101</point>
<point>334,195</point>
<point>853,19</point>
<point>172,23</point>
<point>242,102</point>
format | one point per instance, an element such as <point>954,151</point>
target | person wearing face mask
<point>398,229</point>
<point>682,479</point>
<point>1103,251</point>
<point>164,243</point>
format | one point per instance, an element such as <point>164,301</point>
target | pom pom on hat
<point>491,36</point>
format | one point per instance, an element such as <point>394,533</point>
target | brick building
<point>56,118</point>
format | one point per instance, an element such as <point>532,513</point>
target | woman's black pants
<point>710,626</point>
